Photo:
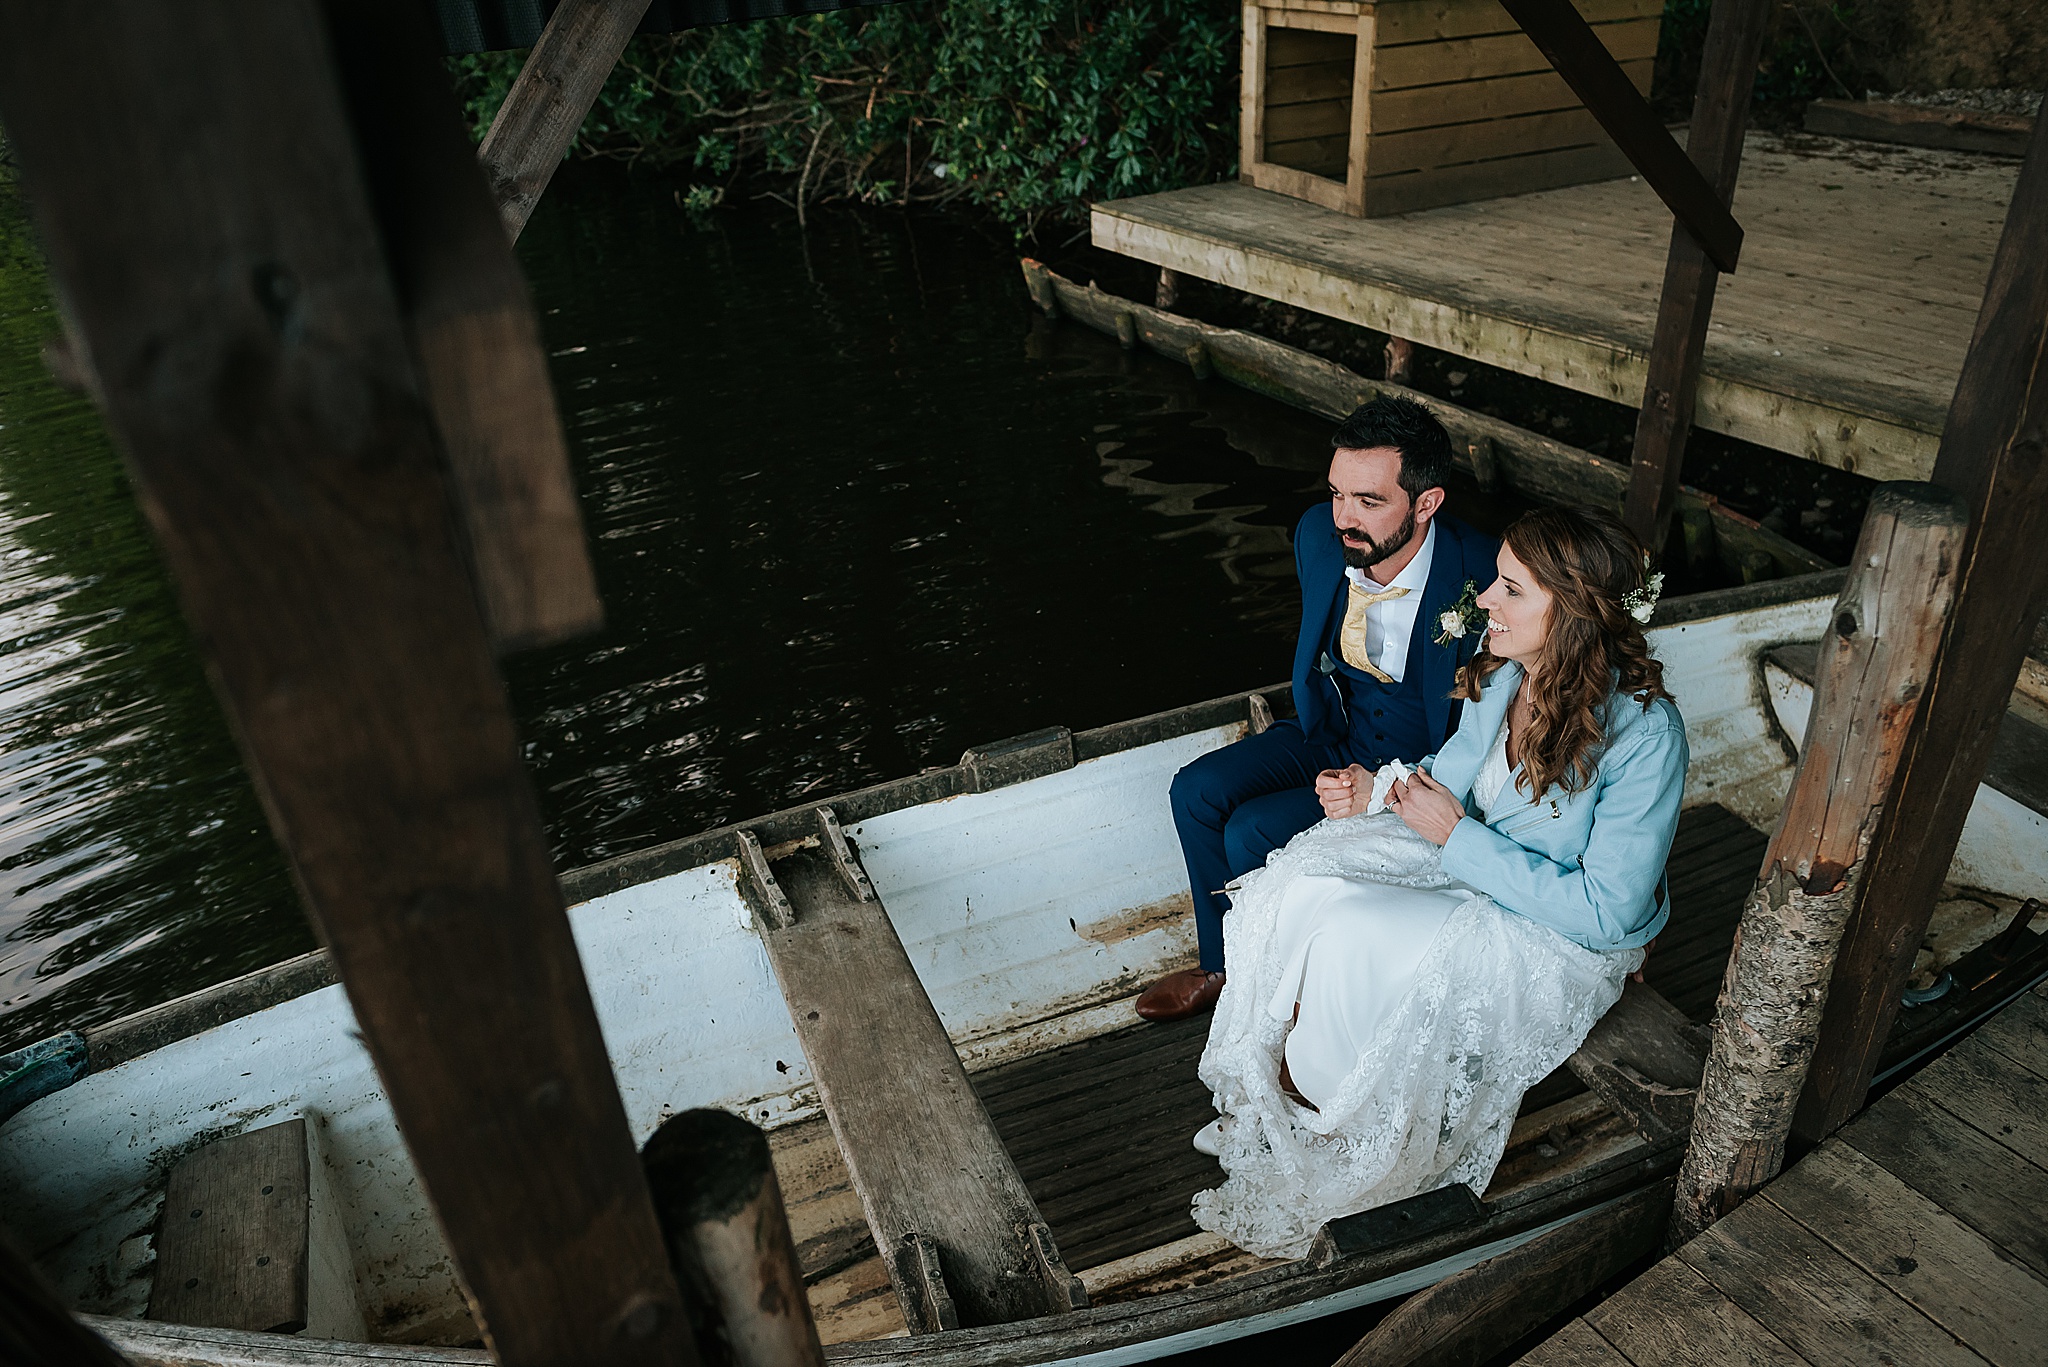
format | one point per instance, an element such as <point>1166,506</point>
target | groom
<point>1379,565</point>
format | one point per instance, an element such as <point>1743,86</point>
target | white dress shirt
<point>1390,625</point>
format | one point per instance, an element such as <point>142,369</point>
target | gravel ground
<point>2025,103</point>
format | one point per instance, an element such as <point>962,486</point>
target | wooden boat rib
<point>1032,888</point>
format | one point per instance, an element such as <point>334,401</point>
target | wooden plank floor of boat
<point>1100,1129</point>
<point>1839,339</point>
<point>1914,1235</point>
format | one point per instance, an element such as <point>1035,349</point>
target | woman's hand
<point>1344,792</point>
<point>1427,806</point>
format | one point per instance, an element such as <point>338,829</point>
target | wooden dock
<point>1916,1235</point>
<point>1839,339</point>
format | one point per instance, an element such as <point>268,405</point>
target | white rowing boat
<point>1033,889</point>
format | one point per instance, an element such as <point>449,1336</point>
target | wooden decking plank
<point>2020,1032</point>
<point>1990,1091</point>
<point>1828,1310</point>
<point>1671,1317</point>
<point>1709,863</point>
<point>1704,825</point>
<point>1100,1133</point>
<point>1575,1345</point>
<point>1085,1072</point>
<point>921,1150</point>
<point>1851,251</point>
<point>1971,1176</point>
<point>1709,873</point>
<point>1183,1037</point>
<point>1943,1268</point>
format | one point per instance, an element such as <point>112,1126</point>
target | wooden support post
<point>547,104</point>
<point>1167,294</point>
<point>1994,453</point>
<point>1696,522</point>
<point>201,194</point>
<point>1720,114</point>
<point>721,1212</point>
<point>472,328</point>
<point>1400,360</point>
<point>1568,42</point>
<point>1485,464</point>
<point>1874,666</point>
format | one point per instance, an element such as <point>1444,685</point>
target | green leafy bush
<point>1029,108</point>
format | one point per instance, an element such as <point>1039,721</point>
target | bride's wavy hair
<point>1588,562</point>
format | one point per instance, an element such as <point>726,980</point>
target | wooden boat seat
<point>250,1239</point>
<point>1644,1058</point>
<point>960,1234</point>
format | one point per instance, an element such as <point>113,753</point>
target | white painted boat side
<point>2004,848</point>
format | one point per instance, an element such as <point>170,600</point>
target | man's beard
<point>1372,552</point>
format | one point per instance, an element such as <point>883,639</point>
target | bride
<point>1399,978</point>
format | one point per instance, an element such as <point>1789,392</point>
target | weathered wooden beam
<point>472,328</point>
<point>549,100</point>
<point>1720,115</point>
<point>963,1239</point>
<point>1875,664</point>
<point>1476,1315</point>
<point>1994,454</point>
<point>721,1212</point>
<point>1529,464</point>
<point>203,203</point>
<point>1564,37</point>
<point>1644,1058</point>
<point>36,1327</point>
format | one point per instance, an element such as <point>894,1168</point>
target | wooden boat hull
<point>1031,912</point>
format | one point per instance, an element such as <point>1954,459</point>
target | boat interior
<point>922,991</point>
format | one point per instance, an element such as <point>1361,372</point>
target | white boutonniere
<point>1463,618</point>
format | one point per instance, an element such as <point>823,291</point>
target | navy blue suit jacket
<point>1461,554</point>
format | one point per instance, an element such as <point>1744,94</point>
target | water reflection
<point>135,862</point>
<point>853,506</point>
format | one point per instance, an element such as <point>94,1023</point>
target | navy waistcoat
<point>1386,721</point>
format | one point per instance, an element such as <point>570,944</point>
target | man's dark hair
<point>1409,428</point>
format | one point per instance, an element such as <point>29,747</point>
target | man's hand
<point>1344,792</point>
<point>1427,806</point>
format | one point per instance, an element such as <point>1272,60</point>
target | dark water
<point>854,508</point>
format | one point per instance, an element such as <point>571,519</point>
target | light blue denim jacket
<point>1590,864</point>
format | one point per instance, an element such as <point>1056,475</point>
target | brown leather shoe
<point>1180,995</point>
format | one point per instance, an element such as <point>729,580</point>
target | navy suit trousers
<point>1235,806</point>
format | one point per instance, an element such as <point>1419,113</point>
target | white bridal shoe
<point>1209,1139</point>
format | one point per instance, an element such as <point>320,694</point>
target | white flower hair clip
<point>1641,603</point>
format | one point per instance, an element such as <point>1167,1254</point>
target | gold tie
<point>1351,637</point>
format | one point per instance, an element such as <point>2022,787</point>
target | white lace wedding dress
<point>1426,1012</point>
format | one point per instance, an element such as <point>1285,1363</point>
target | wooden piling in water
<point>720,1207</point>
<point>1400,360</point>
<point>550,98</point>
<point>1874,665</point>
